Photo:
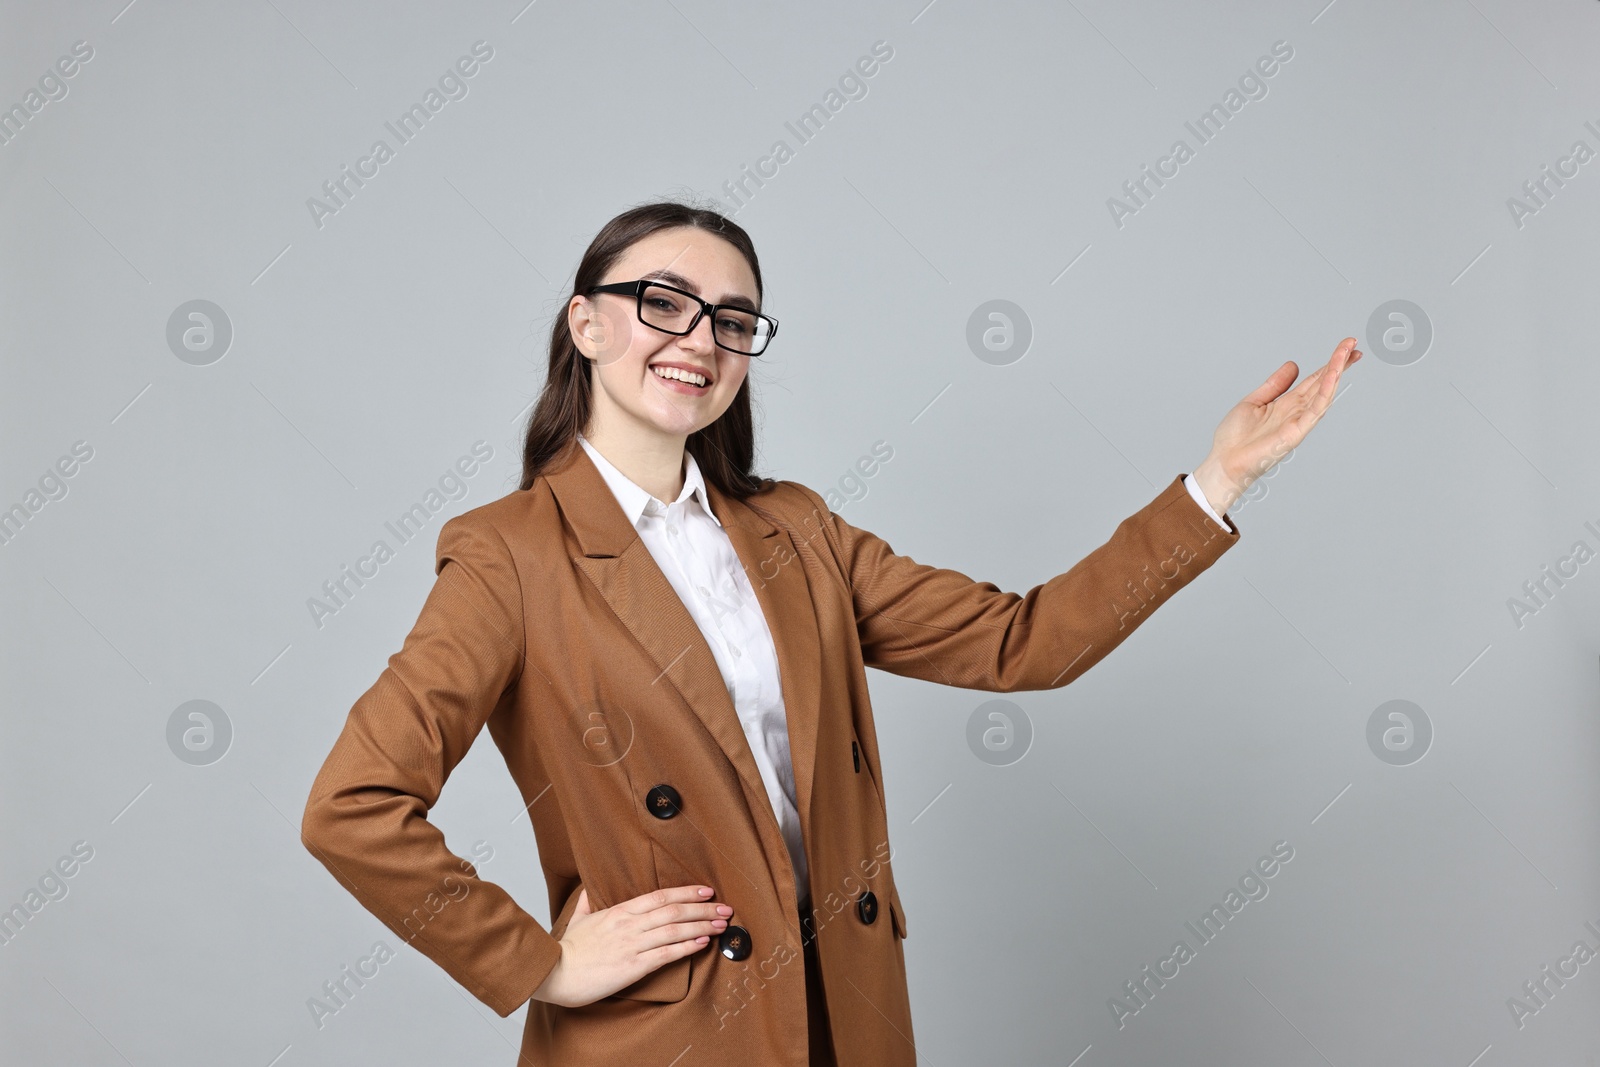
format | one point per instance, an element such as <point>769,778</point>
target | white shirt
<point>1200,498</point>
<point>697,557</point>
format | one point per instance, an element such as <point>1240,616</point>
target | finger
<point>1303,392</point>
<point>582,907</point>
<point>1312,411</point>
<point>1346,357</point>
<point>1340,351</point>
<point>682,912</point>
<point>1304,389</point>
<point>1341,355</point>
<point>1330,382</point>
<point>659,898</point>
<point>1276,383</point>
<point>656,958</point>
<point>676,933</point>
<point>1310,381</point>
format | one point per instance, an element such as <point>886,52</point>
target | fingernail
<point>702,939</point>
<point>723,909</point>
<point>705,891</point>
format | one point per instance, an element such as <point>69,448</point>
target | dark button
<point>867,907</point>
<point>663,802</point>
<point>855,756</point>
<point>735,943</point>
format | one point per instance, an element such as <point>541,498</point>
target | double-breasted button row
<point>735,942</point>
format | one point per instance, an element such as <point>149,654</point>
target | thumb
<point>1275,385</point>
<point>582,907</point>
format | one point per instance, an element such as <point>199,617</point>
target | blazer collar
<point>619,564</point>
<point>634,498</point>
<point>603,528</point>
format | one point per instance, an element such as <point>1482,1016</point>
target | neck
<point>654,462</point>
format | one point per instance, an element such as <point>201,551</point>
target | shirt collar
<point>634,498</point>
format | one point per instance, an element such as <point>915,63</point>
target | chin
<point>672,423</point>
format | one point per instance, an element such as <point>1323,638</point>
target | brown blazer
<point>551,623</point>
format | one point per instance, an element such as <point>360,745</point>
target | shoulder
<point>801,511</point>
<point>491,530</point>
<point>788,503</point>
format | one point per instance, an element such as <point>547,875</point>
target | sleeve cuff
<point>1205,505</point>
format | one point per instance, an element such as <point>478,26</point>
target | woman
<point>679,689</point>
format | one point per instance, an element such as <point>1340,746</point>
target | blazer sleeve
<point>941,626</point>
<point>366,818</point>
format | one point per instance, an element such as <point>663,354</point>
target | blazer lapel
<point>770,563</point>
<point>621,567</point>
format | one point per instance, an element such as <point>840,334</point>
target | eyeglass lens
<point>738,330</point>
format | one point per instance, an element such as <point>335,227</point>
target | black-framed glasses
<point>672,310</point>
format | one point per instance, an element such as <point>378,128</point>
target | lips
<point>685,368</point>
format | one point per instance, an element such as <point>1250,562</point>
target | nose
<point>698,339</point>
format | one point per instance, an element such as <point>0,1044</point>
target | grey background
<point>372,352</point>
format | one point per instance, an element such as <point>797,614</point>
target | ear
<point>586,326</point>
<point>602,334</point>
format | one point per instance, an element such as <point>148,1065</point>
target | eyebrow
<point>672,277</point>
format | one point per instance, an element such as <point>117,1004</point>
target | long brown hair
<point>725,449</point>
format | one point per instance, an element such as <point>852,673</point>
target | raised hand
<point>606,950</point>
<point>1266,425</point>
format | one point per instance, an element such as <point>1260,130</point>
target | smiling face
<point>632,399</point>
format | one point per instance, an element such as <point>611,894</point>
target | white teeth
<point>680,375</point>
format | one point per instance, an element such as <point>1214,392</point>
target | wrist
<point>547,989</point>
<point>1215,485</point>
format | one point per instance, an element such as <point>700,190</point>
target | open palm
<point>1269,423</point>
